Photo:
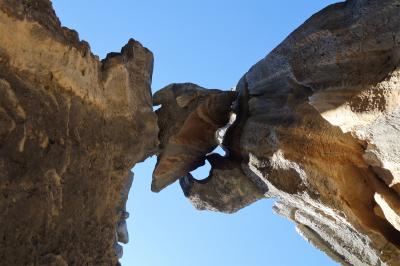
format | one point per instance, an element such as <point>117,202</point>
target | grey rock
<point>188,118</point>
<point>119,250</point>
<point>122,232</point>
<point>227,189</point>
<point>317,127</point>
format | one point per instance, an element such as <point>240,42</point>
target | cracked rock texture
<point>71,128</point>
<point>317,126</point>
<point>189,117</point>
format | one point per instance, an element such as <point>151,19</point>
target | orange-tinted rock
<point>185,149</point>
<point>318,124</point>
<point>71,128</point>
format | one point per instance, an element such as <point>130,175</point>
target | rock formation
<point>317,126</point>
<point>314,124</point>
<point>189,117</point>
<point>71,128</point>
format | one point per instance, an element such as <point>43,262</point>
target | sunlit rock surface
<point>71,128</point>
<point>318,127</point>
<point>315,124</point>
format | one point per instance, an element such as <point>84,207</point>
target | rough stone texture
<point>198,113</point>
<point>318,105</point>
<point>227,189</point>
<point>314,124</point>
<point>317,127</point>
<point>71,128</point>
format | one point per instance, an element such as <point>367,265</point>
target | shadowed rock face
<point>184,145</point>
<point>71,128</point>
<point>314,124</point>
<point>315,105</point>
<point>317,127</point>
<point>227,189</point>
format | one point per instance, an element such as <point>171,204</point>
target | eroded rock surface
<point>314,124</point>
<point>189,118</point>
<point>71,128</point>
<point>317,127</point>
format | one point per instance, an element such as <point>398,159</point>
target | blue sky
<point>211,43</point>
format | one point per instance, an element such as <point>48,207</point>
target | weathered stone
<point>337,73</point>
<point>227,189</point>
<point>122,232</point>
<point>119,251</point>
<point>198,114</point>
<point>71,128</point>
<point>314,124</point>
<point>317,123</point>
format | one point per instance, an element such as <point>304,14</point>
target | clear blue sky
<point>211,43</point>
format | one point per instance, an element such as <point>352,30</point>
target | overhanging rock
<point>317,128</point>
<point>316,125</point>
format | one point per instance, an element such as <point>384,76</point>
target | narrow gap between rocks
<point>203,172</point>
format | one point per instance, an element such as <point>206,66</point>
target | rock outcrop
<point>71,128</point>
<point>317,126</point>
<point>189,117</point>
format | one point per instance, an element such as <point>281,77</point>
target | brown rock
<point>71,128</point>
<point>321,129</point>
<point>227,189</point>
<point>318,122</point>
<point>316,125</point>
<point>198,115</point>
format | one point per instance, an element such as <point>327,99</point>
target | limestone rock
<point>227,189</point>
<point>314,124</point>
<point>71,128</point>
<point>316,105</point>
<point>317,127</point>
<point>188,118</point>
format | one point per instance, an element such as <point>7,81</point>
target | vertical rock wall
<point>71,128</point>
